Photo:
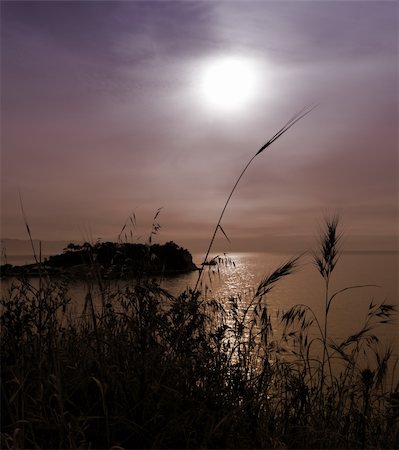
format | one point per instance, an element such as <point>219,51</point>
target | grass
<point>297,117</point>
<point>151,370</point>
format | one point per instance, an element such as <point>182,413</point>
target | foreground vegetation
<point>149,370</point>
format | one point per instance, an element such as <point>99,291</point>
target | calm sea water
<point>243,272</point>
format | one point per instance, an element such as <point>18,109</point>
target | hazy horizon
<point>273,244</point>
<point>105,114</point>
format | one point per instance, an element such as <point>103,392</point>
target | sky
<point>104,115</point>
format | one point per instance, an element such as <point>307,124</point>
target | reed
<point>298,116</point>
<point>152,370</point>
<point>146,369</point>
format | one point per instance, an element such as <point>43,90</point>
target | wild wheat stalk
<point>28,228</point>
<point>298,116</point>
<point>326,263</point>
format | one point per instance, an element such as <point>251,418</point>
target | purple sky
<point>102,115</point>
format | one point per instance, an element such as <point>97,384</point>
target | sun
<point>228,84</point>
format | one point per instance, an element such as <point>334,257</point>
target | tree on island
<point>117,259</point>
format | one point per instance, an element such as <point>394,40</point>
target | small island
<point>110,260</point>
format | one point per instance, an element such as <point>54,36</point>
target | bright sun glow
<point>229,83</point>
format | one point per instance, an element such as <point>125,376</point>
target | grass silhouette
<point>152,370</point>
<point>298,116</point>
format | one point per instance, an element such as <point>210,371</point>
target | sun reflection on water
<point>231,276</point>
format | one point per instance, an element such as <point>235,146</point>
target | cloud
<point>102,114</point>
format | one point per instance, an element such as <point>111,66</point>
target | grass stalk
<point>300,115</point>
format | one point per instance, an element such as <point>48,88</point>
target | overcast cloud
<point>102,115</point>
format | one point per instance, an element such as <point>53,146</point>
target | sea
<point>370,277</point>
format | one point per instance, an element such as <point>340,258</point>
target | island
<point>110,260</point>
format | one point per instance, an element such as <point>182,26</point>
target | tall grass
<point>152,370</point>
<point>298,116</point>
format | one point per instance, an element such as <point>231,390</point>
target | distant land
<point>111,260</point>
<point>19,251</point>
<point>23,246</point>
